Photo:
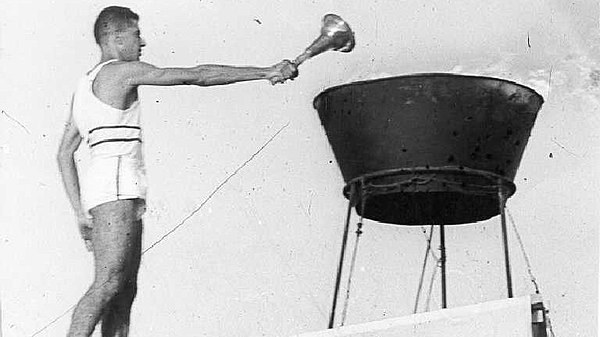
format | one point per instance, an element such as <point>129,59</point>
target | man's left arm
<point>66,163</point>
<point>68,169</point>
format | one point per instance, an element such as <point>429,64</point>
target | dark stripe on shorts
<point>112,140</point>
<point>114,127</point>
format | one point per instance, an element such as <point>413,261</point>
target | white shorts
<point>113,178</point>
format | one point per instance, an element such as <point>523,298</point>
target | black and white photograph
<point>323,168</point>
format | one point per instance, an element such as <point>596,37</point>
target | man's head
<point>116,29</point>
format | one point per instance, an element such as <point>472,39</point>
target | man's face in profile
<point>131,42</point>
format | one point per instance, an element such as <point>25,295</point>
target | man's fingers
<point>277,79</point>
<point>286,69</point>
<point>287,72</point>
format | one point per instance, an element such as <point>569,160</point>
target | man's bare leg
<point>117,233</point>
<point>115,321</point>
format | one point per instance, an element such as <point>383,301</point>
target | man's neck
<point>108,54</point>
<point>107,58</point>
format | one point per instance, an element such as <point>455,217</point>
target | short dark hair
<point>113,18</point>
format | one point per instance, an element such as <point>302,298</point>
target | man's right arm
<point>141,73</point>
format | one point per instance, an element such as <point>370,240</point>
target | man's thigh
<point>116,237</point>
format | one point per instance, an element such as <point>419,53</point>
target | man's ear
<point>118,38</point>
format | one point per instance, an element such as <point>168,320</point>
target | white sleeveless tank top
<point>108,131</point>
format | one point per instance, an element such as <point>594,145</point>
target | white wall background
<point>259,259</point>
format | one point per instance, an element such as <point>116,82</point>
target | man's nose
<point>143,43</point>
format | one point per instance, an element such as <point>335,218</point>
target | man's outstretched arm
<point>141,73</point>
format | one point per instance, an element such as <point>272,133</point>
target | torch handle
<point>301,58</point>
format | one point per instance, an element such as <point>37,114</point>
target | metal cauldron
<point>428,148</point>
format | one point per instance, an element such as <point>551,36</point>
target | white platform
<point>502,318</point>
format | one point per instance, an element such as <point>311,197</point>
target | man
<point>109,202</point>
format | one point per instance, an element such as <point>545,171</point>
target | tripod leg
<point>502,202</point>
<point>341,263</point>
<point>443,264</point>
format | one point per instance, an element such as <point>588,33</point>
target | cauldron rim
<point>424,75</point>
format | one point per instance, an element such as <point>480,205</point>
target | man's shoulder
<point>119,66</point>
<point>125,69</point>
<point>127,65</point>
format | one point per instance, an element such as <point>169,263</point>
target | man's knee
<point>121,302</point>
<point>110,286</point>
